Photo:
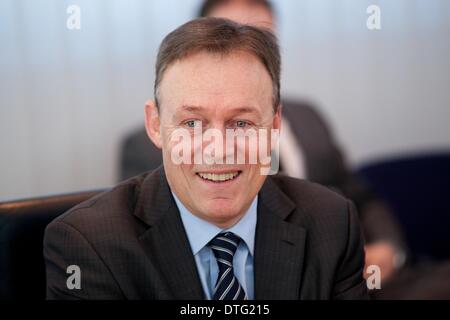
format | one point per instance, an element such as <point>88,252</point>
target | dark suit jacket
<point>324,164</point>
<point>130,243</point>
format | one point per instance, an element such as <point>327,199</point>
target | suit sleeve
<point>349,281</point>
<point>65,246</point>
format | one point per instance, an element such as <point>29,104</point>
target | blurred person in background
<point>308,150</point>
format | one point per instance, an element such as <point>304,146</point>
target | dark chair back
<point>22,226</point>
<point>418,190</point>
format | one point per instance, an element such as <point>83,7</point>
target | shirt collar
<point>200,232</point>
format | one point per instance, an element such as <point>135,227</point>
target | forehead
<point>205,79</point>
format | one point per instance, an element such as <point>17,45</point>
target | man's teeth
<point>218,177</point>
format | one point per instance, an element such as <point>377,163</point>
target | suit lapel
<point>279,247</point>
<point>165,241</point>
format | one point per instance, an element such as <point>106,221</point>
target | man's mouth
<point>219,177</point>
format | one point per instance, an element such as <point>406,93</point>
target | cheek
<point>254,177</point>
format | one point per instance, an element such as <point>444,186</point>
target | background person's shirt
<point>200,232</point>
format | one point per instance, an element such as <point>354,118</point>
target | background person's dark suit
<point>130,243</point>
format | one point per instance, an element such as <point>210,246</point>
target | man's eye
<point>241,124</point>
<point>193,123</point>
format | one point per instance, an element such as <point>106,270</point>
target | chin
<point>222,209</point>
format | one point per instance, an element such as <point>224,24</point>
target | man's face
<point>211,91</point>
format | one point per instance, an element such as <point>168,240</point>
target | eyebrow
<point>192,108</point>
<point>244,110</point>
<point>187,108</point>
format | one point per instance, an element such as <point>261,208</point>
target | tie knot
<point>224,245</point>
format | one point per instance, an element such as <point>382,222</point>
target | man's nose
<point>214,143</point>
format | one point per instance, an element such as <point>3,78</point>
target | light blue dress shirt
<point>200,232</point>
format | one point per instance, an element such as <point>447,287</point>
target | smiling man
<point>200,230</point>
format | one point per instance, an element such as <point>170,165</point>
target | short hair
<point>219,36</point>
<point>208,5</point>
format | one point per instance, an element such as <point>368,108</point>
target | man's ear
<point>277,118</point>
<point>153,123</point>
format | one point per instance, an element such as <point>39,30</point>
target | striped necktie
<point>227,287</point>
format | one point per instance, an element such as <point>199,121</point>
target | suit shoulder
<point>307,193</point>
<point>301,106</point>
<point>318,208</point>
<point>308,113</point>
<point>117,203</point>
